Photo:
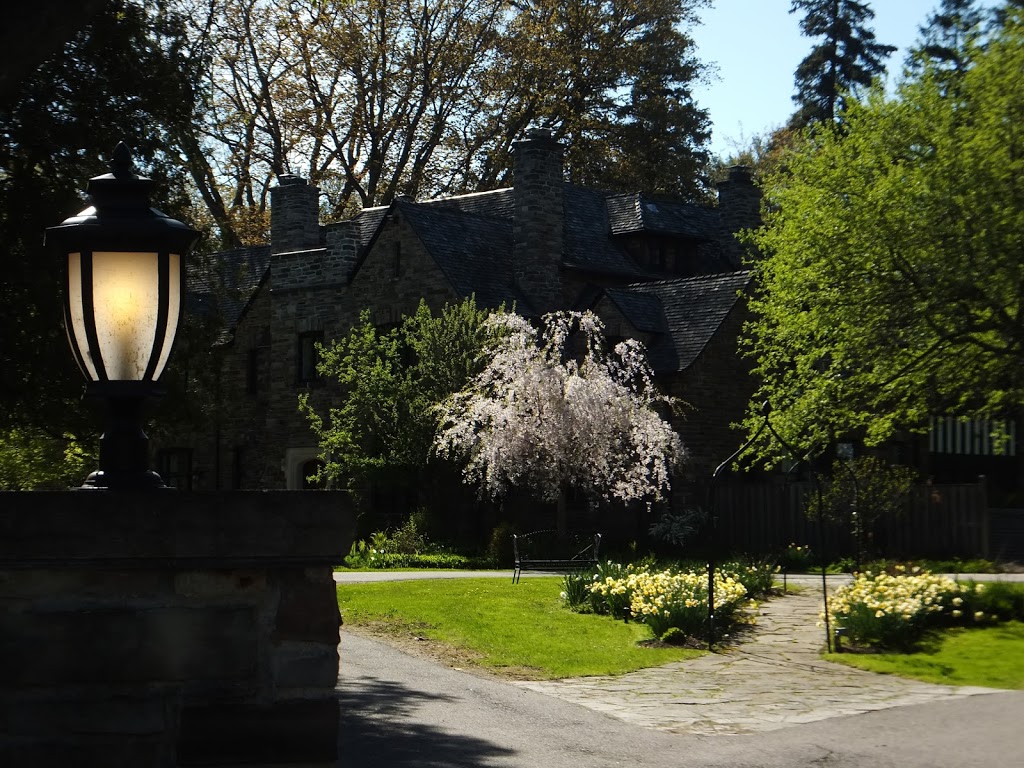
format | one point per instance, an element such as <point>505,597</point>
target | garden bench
<point>550,550</point>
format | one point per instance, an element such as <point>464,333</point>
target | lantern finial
<point>121,164</point>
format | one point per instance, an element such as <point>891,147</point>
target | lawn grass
<point>520,630</point>
<point>991,657</point>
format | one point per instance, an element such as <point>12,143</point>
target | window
<point>309,470</point>
<point>307,357</point>
<point>174,465</point>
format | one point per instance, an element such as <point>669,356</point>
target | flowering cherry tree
<point>545,419</point>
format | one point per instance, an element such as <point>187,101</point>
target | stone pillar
<point>294,215</point>
<point>170,628</point>
<point>539,217</point>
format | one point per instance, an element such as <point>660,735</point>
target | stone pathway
<point>773,679</point>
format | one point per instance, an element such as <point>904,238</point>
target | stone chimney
<point>294,215</point>
<point>739,208</point>
<point>539,216</point>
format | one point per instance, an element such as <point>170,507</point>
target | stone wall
<point>169,628</point>
<point>715,388</point>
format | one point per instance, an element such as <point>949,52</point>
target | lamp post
<point>125,280</point>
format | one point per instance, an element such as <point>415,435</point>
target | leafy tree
<point>539,418</point>
<point>894,268</point>
<point>613,80</point>
<point>846,58</point>
<point>31,459</point>
<point>385,385</point>
<point>373,99</point>
<point>122,76</point>
<point>860,492</point>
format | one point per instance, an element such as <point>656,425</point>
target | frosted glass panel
<point>173,310</point>
<point>76,322</point>
<point>126,294</point>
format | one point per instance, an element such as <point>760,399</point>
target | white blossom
<point>545,419</point>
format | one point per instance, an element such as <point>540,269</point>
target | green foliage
<point>894,264</point>
<point>797,558</point>
<point>576,591</point>
<point>678,528</point>
<point>408,546</point>
<point>387,383</point>
<point>757,575</point>
<point>860,492</point>
<point>898,609</point>
<point>31,459</point>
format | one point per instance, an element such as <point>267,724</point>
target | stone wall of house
<point>238,438</point>
<point>170,629</point>
<point>396,274</point>
<point>539,219</point>
<point>716,388</point>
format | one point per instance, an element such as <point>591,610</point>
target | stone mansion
<point>667,273</point>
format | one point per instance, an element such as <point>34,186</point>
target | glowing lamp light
<point>122,303</point>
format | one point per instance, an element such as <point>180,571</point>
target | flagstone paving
<point>772,679</point>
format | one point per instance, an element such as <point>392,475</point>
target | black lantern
<point>125,272</point>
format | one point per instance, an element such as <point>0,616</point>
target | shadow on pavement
<point>379,728</point>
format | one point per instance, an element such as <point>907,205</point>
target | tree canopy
<point>542,418</point>
<point>371,100</point>
<point>845,58</point>
<point>892,286</point>
<point>383,386</point>
<point>121,77</point>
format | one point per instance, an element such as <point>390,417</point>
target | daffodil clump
<point>666,599</point>
<point>894,610</point>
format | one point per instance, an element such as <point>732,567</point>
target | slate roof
<point>692,310</point>
<point>470,237</point>
<point>585,232</point>
<point>635,213</point>
<point>229,286</point>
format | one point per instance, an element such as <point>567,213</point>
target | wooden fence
<point>937,521</point>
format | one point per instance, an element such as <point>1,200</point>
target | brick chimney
<point>739,208</point>
<point>294,215</point>
<point>539,217</point>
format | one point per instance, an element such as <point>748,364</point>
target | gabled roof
<point>692,310</point>
<point>472,249</point>
<point>228,286</point>
<point>634,213</point>
<point>585,231</point>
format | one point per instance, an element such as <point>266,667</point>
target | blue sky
<point>756,46</point>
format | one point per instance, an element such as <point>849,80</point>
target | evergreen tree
<point>946,38</point>
<point>846,58</point>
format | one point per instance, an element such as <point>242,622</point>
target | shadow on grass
<point>379,728</point>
